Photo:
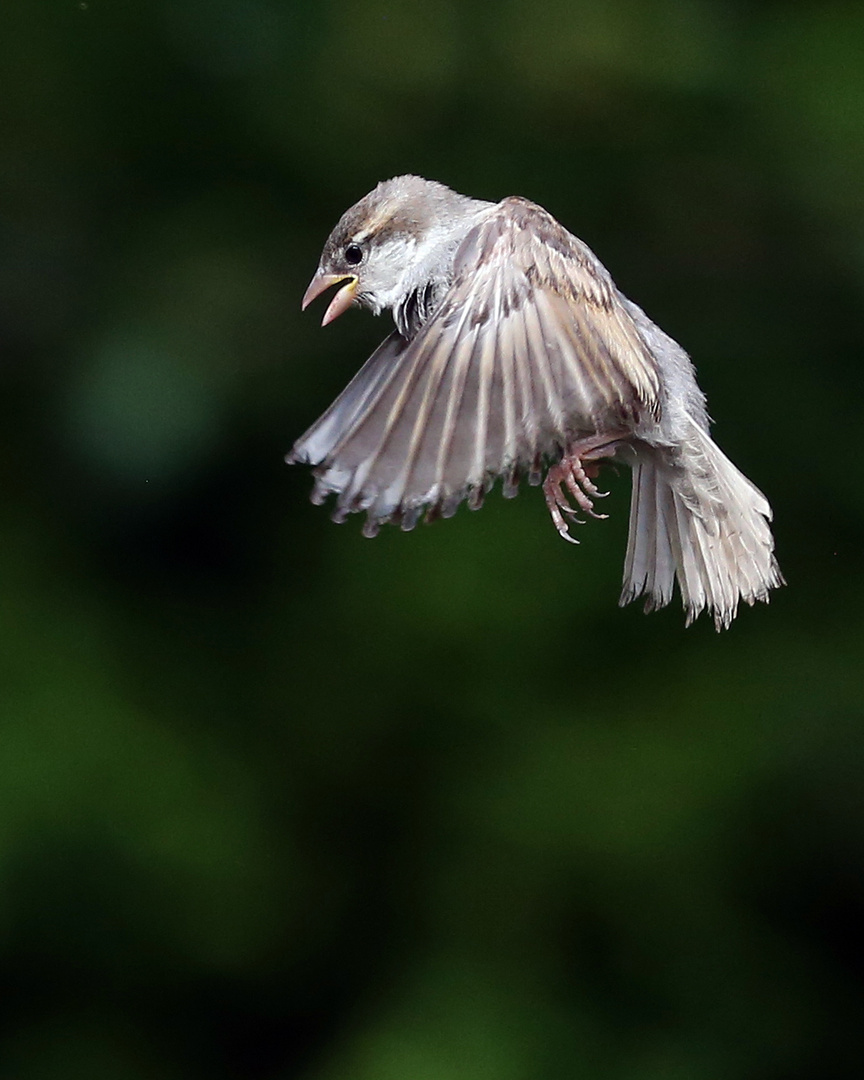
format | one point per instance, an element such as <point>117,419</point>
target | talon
<point>571,482</point>
<point>583,490</point>
<point>563,530</point>
<point>555,503</point>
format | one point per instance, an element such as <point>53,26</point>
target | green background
<point>279,801</point>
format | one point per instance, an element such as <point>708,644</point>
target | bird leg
<point>571,481</point>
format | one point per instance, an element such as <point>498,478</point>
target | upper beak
<point>340,302</point>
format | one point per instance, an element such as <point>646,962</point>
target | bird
<point>514,351</point>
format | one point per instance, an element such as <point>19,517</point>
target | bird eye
<point>353,254</point>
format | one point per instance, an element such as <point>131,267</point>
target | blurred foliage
<point>276,801</point>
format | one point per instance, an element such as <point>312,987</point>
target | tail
<point>697,518</point>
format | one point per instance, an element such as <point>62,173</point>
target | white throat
<point>419,261</point>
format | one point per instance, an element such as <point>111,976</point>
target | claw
<point>581,488</point>
<point>568,481</point>
<point>558,521</point>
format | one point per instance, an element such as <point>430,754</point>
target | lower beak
<point>340,302</point>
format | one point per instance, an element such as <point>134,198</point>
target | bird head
<point>384,246</point>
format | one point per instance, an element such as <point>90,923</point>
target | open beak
<point>340,302</point>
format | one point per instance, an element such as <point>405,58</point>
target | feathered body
<point>514,347</point>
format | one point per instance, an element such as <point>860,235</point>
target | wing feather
<point>540,351</point>
<point>525,379</point>
<point>512,451</point>
<point>484,373</point>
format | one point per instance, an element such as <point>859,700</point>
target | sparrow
<point>514,350</point>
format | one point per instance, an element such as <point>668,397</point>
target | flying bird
<point>514,350</point>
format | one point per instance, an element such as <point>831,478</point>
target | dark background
<point>278,801</point>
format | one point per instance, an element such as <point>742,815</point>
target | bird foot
<point>571,482</point>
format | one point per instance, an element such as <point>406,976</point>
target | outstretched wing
<point>530,349</point>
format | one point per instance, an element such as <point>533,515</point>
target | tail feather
<point>696,518</point>
<point>650,554</point>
